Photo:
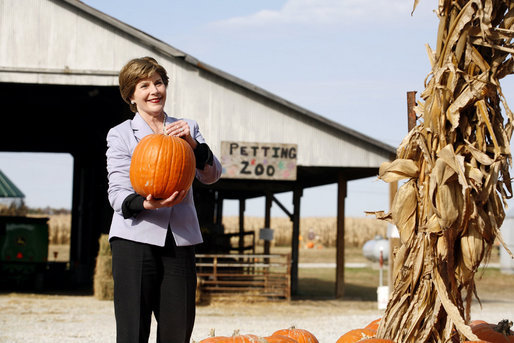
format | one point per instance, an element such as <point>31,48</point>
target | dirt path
<point>31,318</point>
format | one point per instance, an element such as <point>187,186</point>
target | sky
<point>351,61</point>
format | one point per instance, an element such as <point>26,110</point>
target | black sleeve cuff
<point>203,156</point>
<point>132,205</point>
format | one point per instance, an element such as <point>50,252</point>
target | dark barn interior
<point>75,120</point>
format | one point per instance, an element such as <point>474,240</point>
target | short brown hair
<point>136,70</point>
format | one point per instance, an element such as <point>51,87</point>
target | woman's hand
<point>176,198</point>
<point>180,128</point>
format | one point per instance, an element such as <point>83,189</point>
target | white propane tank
<point>371,249</point>
<point>507,231</point>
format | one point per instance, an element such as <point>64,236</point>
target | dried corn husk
<point>456,162</point>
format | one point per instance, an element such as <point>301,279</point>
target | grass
<point>493,281</point>
<point>319,283</point>
<point>360,283</point>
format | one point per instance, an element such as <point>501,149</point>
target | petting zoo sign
<point>267,161</point>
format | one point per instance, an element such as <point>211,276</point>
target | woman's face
<point>150,95</point>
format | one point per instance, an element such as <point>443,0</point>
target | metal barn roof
<point>8,189</point>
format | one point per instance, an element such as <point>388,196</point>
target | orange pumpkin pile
<point>161,165</point>
<point>291,335</point>
<point>486,332</point>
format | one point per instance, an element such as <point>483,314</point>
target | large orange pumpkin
<point>279,339</point>
<point>161,165</point>
<point>356,335</point>
<point>300,335</point>
<point>486,332</point>
<point>236,338</point>
<point>373,325</point>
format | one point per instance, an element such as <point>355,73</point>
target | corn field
<point>357,230</point>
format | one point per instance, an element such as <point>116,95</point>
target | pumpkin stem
<point>212,332</point>
<point>503,327</point>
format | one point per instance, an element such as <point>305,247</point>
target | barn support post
<point>219,209</point>
<point>79,241</point>
<point>242,207</point>
<point>267,220</point>
<point>341,195</point>
<point>297,194</point>
<point>90,217</point>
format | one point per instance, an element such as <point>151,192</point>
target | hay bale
<point>104,246</point>
<point>104,288</point>
<point>103,283</point>
<point>198,294</point>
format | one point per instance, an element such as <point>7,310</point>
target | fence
<point>256,275</point>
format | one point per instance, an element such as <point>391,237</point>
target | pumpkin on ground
<point>494,333</point>
<point>300,335</point>
<point>356,335</point>
<point>279,339</point>
<point>161,165</point>
<point>373,325</point>
<point>236,338</point>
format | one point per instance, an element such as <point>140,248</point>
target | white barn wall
<point>48,43</point>
<point>42,36</point>
<point>225,112</point>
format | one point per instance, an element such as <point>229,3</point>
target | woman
<point>152,240</point>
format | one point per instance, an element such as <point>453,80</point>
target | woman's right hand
<point>176,198</point>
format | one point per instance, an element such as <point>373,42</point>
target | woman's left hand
<point>180,128</point>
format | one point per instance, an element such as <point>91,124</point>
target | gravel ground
<point>37,318</point>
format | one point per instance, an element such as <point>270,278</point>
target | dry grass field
<point>319,230</point>
<point>357,230</point>
<point>323,229</point>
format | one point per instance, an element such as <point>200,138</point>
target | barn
<point>59,61</point>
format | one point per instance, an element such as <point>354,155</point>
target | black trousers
<point>150,279</point>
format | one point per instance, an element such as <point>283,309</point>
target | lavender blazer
<point>150,226</point>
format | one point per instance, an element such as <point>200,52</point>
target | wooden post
<point>241,224</point>
<point>219,209</point>
<point>267,220</point>
<point>394,242</point>
<point>297,194</point>
<point>411,114</point>
<point>341,195</point>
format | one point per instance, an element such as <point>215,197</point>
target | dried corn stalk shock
<point>455,164</point>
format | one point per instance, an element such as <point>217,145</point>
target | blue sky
<point>351,61</point>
